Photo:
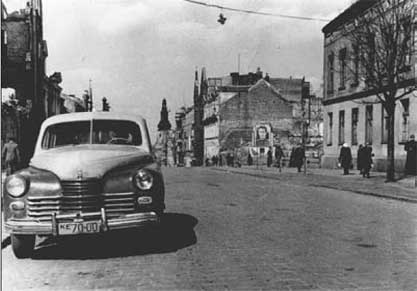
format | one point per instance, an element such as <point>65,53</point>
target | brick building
<point>251,113</point>
<point>352,113</point>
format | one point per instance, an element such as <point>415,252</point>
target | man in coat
<point>299,156</point>
<point>345,158</point>
<point>269,157</point>
<point>366,160</point>
<point>278,156</point>
<point>411,161</point>
<point>359,159</point>
<point>11,156</point>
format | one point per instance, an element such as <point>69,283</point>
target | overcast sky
<point>139,51</point>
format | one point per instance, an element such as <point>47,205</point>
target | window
<point>330,129</point>
<point>355,67</point>
<point>342,66</point>
<point>330,78</point>
<point>384,125</point>
<point>355,119</point>
<point>405,119</point>
<point>115,132</point>
<point>371,57</point>
<point>406,43</point>
<point>368,124</point>
<point>341,127</point>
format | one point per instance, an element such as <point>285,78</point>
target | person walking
<point>11,156</point>
<point>278,156</point>
<point>411,160</point>
<point>250,160</point>
<point>345,158</point>
<point>269,157</point>
<point>299,156</point>
<point>359,159</point>
<point>366,160</point>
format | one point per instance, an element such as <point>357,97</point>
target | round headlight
<point>143,179</point>
<point>16,186</point>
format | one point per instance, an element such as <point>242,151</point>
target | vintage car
<point>91,172</point>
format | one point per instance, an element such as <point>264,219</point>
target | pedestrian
<point>207,162</point>
<point>278,156</point>
<point>345,158</point>
<point>269,157</point>
<point>250,160</point>
<point>366,160</point>
<point>292,155</point>
<point>411,159</point>
<point>299,157</point>
<point>359,159</point>
<point>11,156</point>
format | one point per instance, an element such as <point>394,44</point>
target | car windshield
<point>119,132</point>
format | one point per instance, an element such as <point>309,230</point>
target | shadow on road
<point>175,232</point>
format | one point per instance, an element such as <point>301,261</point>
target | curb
<point>398,198</point>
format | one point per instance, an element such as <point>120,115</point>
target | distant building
<point>165,144</point>
<point>71,103</point>
<point>247,113</point>
<point>352,113</point>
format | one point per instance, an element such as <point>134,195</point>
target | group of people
<point>215,161</point>
<point>11,158</point>
<point>364,159</point>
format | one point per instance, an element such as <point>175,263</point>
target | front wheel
<point>23,245</point>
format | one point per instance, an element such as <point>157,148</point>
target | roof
<point>350,13</point>
<point>289,88</point>
<point>69,117</point>
<point>225,96</point>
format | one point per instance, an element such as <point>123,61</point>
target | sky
<point>137,52</point>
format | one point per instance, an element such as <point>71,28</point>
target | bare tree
<point>383,45</point>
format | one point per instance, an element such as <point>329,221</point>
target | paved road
<point>233,232</point>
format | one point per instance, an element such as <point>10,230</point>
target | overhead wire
<point>255,12</point>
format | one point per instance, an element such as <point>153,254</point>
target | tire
<point>23,245</point>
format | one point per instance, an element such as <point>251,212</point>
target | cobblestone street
<point>224,231</point>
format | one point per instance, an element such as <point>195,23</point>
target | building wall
<point>357,95</point>
<point>260,105</point>
<point>331,151</point>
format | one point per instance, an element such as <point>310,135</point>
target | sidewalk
<point>402,190</point>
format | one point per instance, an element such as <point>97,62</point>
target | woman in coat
<point>345,158</point>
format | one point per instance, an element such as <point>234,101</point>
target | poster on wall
<point>263,135</point>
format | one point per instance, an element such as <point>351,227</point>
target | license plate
<point>68,228</point>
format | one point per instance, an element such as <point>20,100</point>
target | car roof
<point>77,116</point>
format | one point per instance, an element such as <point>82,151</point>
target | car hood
<point>89,161</point>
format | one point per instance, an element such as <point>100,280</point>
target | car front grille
<point>81,196</point>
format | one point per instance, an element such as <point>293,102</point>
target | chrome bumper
<point>30,226</point>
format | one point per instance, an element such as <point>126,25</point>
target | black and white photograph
<point>208,145</point>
